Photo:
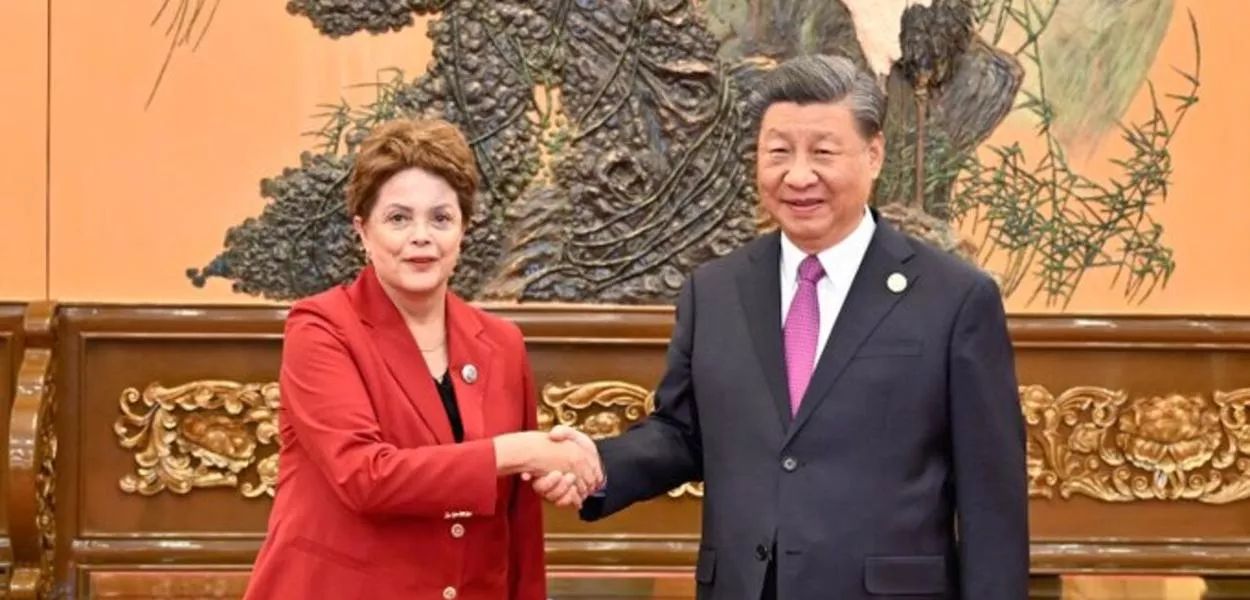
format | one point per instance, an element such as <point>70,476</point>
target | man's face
<point>815,171</point>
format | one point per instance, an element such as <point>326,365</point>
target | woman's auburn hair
<point>432,145</point>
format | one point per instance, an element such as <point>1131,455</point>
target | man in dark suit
<point>846,394</point>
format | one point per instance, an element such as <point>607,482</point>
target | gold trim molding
<point>215,433</point>
<point>1102,444</point>
<point>202,434</point>
<point>1088,441</point>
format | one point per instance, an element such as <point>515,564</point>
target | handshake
<point>563,464</point>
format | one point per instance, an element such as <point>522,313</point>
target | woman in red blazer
<point>408,416</point>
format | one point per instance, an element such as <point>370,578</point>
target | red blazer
<point>375,500</point>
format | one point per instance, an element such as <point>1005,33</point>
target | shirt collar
<point>840,261</point>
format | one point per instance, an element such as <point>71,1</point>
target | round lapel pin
<point>468,373</point>
<point>896,282</point>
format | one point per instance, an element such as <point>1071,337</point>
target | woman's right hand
<point>535,452</point>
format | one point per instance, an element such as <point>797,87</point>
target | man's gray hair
<point>820,79</point>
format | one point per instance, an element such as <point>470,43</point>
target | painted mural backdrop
<point>615,157</point>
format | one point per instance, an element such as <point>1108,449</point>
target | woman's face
<point>412,235</point>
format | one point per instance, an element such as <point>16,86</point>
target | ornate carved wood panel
<point>31,475</point>
<point>166,421</point>
<point>1136,404</point>
<point>104,351</point>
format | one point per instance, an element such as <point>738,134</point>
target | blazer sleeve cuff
<point>475,492</point>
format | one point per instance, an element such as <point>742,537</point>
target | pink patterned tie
<point>802,329</point>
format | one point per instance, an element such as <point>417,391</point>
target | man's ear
<point>876,154</point>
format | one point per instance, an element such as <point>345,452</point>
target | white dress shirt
<point>841,262</point>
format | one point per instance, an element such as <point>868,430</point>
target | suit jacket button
<point>449,593</point>
<point>789,464</point>
<point>761,552</point>
<point>457,530</point>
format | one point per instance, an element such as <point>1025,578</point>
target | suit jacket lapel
<point>867,303</point>
<point>759,288</point>
<point>400,352</point>
<point>470,358</point>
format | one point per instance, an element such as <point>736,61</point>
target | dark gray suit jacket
<point>912,418</point>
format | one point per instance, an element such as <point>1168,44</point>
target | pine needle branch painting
<point>188,19</point>
<point>611,139</point>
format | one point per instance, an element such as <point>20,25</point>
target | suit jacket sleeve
<point>664,450</point>
<point>326,403</point>
<point>529,569</point>
<point>988,437</point>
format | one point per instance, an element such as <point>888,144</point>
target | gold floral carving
<point>601,409</point>
<point>1099,443</point>
<point>201,434</point>
<point>1088,441</point>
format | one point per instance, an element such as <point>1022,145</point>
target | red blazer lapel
<point>400,352</point>
<point>470,357</point>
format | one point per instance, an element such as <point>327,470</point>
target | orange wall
<point>170,178</point>
<point>23,156</point>
<point>173,177</point>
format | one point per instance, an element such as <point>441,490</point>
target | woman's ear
<point>358,225</point>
